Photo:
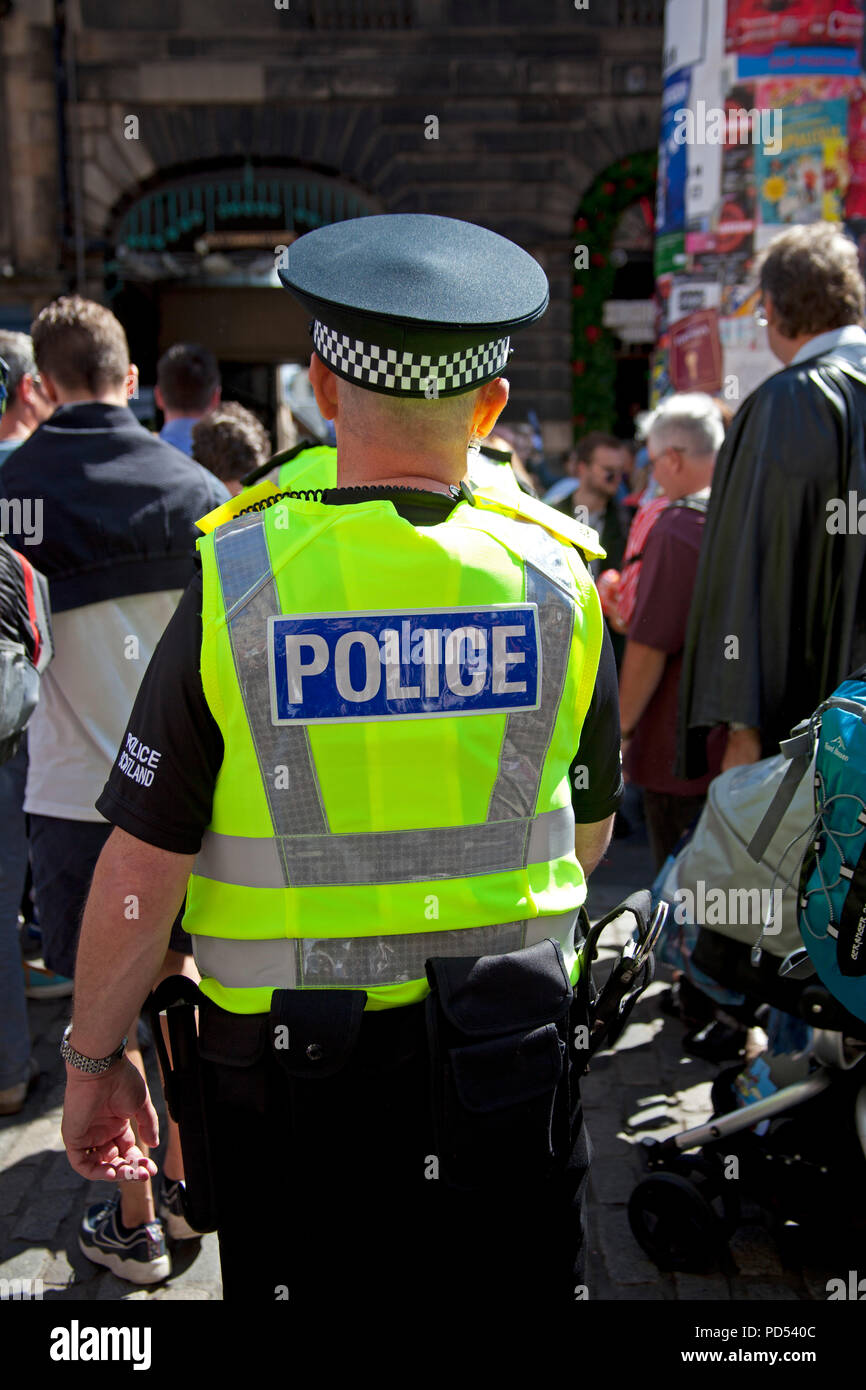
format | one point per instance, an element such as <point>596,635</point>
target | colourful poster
<point>793,62</point>
<point>805,180</point>
<point>855,200</point>
<point>685,34</point>
<point>758,26</point>
<point>776,135</point>
<point>670,253</point>
<point>689,293</point>
<point>778,93</point>
<point>728,229</point>
<point>772,92</point>
<point>672,166</point>
<point>696,352</point>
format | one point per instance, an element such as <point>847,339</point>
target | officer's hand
<point>96,1128</point>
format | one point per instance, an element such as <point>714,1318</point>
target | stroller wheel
<point>674,1224</point>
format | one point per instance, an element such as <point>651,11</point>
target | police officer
<point>378,748</point>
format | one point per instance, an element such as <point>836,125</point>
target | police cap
<point>411,304</point>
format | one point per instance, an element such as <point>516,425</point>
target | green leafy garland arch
<point>593,365</point>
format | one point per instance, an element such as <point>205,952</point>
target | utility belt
<point>506,1039</point>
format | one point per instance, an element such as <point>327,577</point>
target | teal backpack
<point>832,886</point>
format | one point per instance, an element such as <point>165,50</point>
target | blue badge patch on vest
<point>412,664</point>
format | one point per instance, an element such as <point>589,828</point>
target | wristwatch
<point>94,1065</point>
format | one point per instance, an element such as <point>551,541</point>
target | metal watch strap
<point>93,1065</point>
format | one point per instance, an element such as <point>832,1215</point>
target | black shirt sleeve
<point>596,773</point>
<point>176,738</point>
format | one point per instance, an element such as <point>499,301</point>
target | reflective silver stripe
<point>363,961</point>
<point>250,598</point>
<point>559,925</point>
<point>528,734</point>
<point>245,861</point>
<point>401,856</point>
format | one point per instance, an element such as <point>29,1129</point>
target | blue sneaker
<point>138,1255</point>
<point>40,983</point>
<point>170,1210</point>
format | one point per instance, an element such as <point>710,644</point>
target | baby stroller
<point>794,1153</point>
<point>797,1150</point>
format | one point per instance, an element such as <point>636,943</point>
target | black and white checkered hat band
<point>407,373</point>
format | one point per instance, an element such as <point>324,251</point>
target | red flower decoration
<point>608,188</point>
<point>593,332</point>
<point>597,258</point>
<point>579,368</point>
<point>579,291</point>
<point>581,224</point>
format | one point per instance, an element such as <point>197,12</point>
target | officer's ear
<point>492,400</point>
<point>324,384</point>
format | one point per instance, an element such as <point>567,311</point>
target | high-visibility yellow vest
<point>314,467</point>
<point>399,708</point>
<point>310,467</point>
<point>493,473</point>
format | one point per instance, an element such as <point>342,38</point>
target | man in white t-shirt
<point>107,512</point>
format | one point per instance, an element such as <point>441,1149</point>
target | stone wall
<point>531,102</point>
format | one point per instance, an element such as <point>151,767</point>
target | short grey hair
<point>16,349</point>
<point>690,421</point>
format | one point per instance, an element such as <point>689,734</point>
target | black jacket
<point>778,616</point>
<point>118,505</point>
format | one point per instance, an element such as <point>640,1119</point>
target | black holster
<point>178,997</point>
<point>501,1077</point>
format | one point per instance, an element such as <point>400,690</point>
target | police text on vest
<point>416,664</point>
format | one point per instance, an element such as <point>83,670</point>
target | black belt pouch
<point>498,1035</point>
<point>321,1028</point>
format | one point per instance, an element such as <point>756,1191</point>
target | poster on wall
<point>759,26</point>
<point>671,184</point>
<point>695,362</point>
<point>781,93</point>
<point>721,241</point>
<point>745,352</point>
<point>806,179</point>
<point>672,165</point>
<point>685,34</point>
<point>777,113</point>
<point>855,198</point>
<point>689,293</point>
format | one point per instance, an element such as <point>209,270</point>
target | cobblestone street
<point>644,1087</point>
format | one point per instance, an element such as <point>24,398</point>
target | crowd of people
<point>729,609</point>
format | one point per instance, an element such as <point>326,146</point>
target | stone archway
<point>193,254</point>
